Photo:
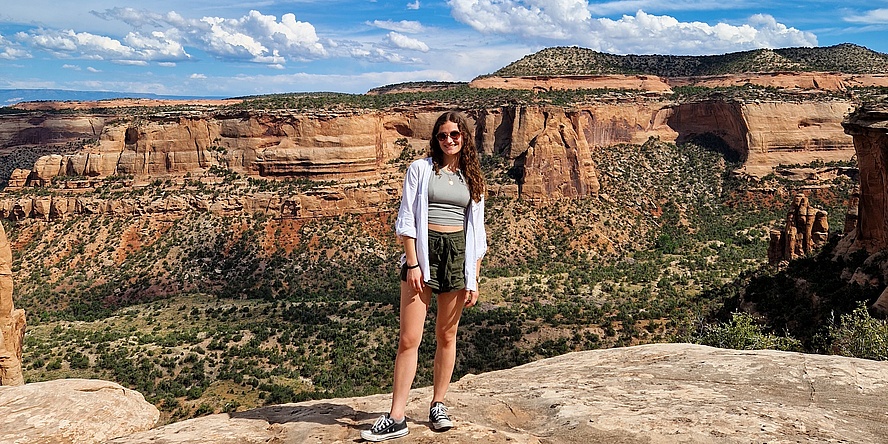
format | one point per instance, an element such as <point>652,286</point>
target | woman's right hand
<point>414,279</point>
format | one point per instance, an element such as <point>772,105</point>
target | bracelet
<point>410,267</point>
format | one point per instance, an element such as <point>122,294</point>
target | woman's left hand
<point>471,298</point>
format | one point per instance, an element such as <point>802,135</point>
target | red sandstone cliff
<point>548,146</point>
<point>869,126</point>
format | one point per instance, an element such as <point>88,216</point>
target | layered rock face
<point>794,80</point>
<point>806,229</point>
<point>869,126</point>
<point>42,129</point>
<point>327,201</point>
<point>351,150</point>
<point>790,80</point>
<point>786,133</point>
<point>548,147</point>
<point>255,144</point>
<point>766,134</point>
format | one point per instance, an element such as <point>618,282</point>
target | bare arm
<point>472,295</point>
<point>414,275</point>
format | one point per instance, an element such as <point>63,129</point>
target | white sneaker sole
<point>369,436</point>
<point>442,425</point>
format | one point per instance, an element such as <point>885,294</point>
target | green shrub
<point>742,333</point>
<point>860,335</point>
<point>54,364</point>
<point>78,360</point>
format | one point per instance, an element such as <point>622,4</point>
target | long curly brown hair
<point>468,155</point>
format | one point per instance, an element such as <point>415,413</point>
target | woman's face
<point>449,145</point>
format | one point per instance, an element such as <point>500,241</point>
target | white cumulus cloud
<point>157,46</point>
<point>570,22</point>
<point>413,5</point>
<point>164,38</point>
<point>257,37</point>
<point>197,76</point>
<point>9,51</point>
<point>77,44</point>
<point>404,42</point>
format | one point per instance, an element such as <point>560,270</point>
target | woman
<point>441,226</point>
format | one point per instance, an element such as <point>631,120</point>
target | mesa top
<point>448,198</point>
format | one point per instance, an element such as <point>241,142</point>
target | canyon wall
<point>765,134</point>
<point>353,157</point>
<point>824,81</point>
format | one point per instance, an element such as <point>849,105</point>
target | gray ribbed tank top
<point>448,198</point>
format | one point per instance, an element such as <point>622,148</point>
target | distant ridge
<point>415,87</point>
<point>571,61</point>
<point>13,96</point>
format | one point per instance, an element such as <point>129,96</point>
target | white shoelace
<point>439,410</point>
<point>381,423</point>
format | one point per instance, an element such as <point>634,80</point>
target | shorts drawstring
<point>445,248</point>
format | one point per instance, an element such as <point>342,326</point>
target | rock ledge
<point>661,393</point>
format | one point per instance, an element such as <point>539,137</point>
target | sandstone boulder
<point>18,178</point>
<point>72,411</point>
<point>662,393</point>
<point>47,167</point>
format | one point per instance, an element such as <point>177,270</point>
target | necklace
<point>450,175</point>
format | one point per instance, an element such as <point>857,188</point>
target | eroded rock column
<point>12,321</point>
<point>806,229</point>
<point>869,126</point>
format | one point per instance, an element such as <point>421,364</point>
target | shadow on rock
<point>322,413</point>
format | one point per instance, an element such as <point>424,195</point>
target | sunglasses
<point>453,135</point>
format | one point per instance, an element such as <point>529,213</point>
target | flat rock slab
<point>660,393</point>
<point>72,411</point>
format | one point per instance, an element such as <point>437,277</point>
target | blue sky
<point>234,48</point>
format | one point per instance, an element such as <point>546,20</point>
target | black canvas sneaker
<point>385,428</point>
<point>438,417</point>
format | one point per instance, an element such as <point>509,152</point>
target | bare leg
<point>413,312</point>
<point>450,307</point>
